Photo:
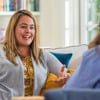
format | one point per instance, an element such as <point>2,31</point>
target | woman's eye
<point>27,27</point>
<point>32,27</point>
<point>23,26</point>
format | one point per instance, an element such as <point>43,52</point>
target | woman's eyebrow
<point>27,24</point>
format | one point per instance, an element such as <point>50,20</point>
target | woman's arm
<point>57,68</point>
<point>53,64</point>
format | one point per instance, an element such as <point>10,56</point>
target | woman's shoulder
<point>92,53</point>
<point>45,53</point>
<point>1,49</point>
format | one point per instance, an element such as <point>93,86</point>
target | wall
<point>52,23</point>
<point>4,21</point>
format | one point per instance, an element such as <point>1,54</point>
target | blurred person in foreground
<point>87,75</point>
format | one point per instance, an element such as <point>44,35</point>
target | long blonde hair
<point>96,40</point>
<point>9,43</point>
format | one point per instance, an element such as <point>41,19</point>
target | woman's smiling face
<point>25,31</point>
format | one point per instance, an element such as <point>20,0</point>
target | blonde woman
<point>23,65</point>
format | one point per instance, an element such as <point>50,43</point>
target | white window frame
<point>79,25</point>
<point>74,36</point>
<point>83,22</point>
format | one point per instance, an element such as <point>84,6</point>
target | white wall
<point>52,23</point>
<point>4,19</point>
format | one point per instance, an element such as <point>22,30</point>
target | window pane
<point>67,13</point>
<point>93,18</point>
<point>91,34</point>
<point>67,24</point>
<point>67,38</point>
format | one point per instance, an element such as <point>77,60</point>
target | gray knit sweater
<point>12,77</point>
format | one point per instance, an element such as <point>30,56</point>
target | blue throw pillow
<point>64,58</point>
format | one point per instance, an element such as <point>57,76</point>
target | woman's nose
<point>28,29</point>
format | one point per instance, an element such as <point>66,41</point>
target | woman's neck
<point>25,51</point>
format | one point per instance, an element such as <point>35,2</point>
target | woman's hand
<point>63,75</point>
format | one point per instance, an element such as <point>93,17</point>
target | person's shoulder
<point>47,55</point>
<point>45,52</point>
<point>92,52</point>
<point>1,45</point>
<point>1,49</point>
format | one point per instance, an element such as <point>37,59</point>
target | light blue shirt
<point>87,75</point>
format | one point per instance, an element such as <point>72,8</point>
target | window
<point>93,17</point>
<point>67,22</point>
<point>82,18</point>
<point>71,22</point>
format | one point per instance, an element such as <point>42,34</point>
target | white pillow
<point>76,51</point>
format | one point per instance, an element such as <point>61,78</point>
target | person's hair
<point>10,44</point>
<point>96,40</point>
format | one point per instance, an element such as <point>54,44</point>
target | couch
<point>76,51</point>
<point>70,94</point>
<point>75,60</point>
<point>73,94</point>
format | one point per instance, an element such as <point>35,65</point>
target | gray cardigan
<point>12,77</point>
